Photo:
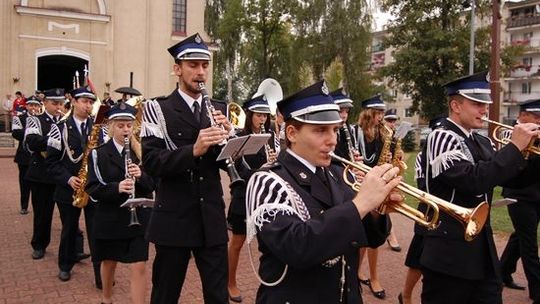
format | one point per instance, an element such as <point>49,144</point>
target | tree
<point>431,42</point>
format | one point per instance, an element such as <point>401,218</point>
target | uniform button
<point>348,267</point>
<point>321,212</point>
<point>355,244</point>
<point>201,199</point>
<point>201,178</point>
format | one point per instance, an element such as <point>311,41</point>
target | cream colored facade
<point>115,37</point>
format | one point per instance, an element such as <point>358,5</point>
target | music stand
<point>243,145</point>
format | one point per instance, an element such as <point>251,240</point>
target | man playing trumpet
<point>308,222</point>
<point>463,167</point>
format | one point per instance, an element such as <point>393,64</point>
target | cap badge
<point>324,88</point>
<point>57,92</point>
<point>198,39</point>
<point>302,175</point>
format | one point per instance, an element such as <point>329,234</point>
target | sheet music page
<point>244,145</point>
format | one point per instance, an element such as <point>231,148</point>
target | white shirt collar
<point>467,133</point>
<point>302,160</point>
<point>190,100</point>
<point>118,146</point>
<point>50,116</point>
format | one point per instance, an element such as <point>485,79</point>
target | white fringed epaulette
<point>55,138</point>
<point>16,124</point>
<point>154,124</point>
<point>33,126</point>
<point>444,147</point>
<point>418,170</point>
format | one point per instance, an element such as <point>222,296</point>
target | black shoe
<point>38,254</point>
<point>378,294</point>
<point>509,283</point>
<point>99,285</point>
<point>64,276</point>
<point>400,298</point>
<point>81,256</point>
<point>237,299</point>
<point>394,248</point>
<point>23,211</point>
<point>366,282</point>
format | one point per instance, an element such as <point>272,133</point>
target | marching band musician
<point>525,216</point>
<point>22,156</point>
<point>308,223</point>
<point>114,240</point>
<point>180,145</point>
<point>370,136</point>
<point>257,116</point>
<point>462,168</point>
<point>67,143</point>
<point>345,105</point>
<point>41,183</point>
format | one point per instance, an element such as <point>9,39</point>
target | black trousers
<point>439,288</point>
<point>43,206</point>
<point>169,271</point>
<point>69,237</point>
<point>523,244</point>
<point>24,186</point>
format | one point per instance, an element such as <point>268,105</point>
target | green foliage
<point>431,39</point>
<point>408,143</point>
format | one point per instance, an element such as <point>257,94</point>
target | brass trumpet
<point>498,136</point>
<point>473,219</point>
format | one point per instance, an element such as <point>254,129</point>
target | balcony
<point>523,72</point>
<point>523,20</point>
<point>514,98</point>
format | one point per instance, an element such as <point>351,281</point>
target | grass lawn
<point>500,221</point>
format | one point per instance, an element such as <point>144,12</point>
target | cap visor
<point>320,118</point>
<point>480,97</point>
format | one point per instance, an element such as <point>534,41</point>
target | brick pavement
<point>23,280</point>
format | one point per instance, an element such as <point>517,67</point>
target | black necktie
<point>321,175</point>
<point>55,119</point>
<point>83,133</point>
<point>197,111</point>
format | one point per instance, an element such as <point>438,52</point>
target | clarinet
<point>267,149</point>
<point>350,145</point>
<point>231,169</point>
<point>134,220</point>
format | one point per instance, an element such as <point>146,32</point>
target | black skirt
<point>237,223</point>
<point>124,251</point>
<point>415,251</point>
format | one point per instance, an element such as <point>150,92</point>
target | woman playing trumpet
<point>115,241</point>
<point>257,121</point>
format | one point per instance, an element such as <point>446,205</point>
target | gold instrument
<point>473,219</point>
<point>137,103</point>
<point>80,197</point>
<point>231,169</point>
<point>499,137</point>
<point>236,115</point>
<point>386,135</point>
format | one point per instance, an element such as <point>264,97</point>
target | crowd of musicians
<point>315,195</point>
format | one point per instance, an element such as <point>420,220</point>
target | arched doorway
<point>57,71</point>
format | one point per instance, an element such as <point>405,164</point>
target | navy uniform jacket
<point>106,169</point>
<point>35,139</point>
<point>60,165</point>
<point>253,162</point>
<point>333,230</point>
<point>464,172</point>
<point>189,210</point>
<point>370,151</point>
<point>22,156</point>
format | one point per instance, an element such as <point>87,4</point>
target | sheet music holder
<point>503,202</point>
<point>243,145</point>
<point>139,202</point>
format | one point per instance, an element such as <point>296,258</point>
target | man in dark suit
<point>463,169</point>
<point>22,156</point>
<point>525,215</point>
<point>41,183</point>
<point>180,149</point>
<point>65,148</point>
<point>308,222</point>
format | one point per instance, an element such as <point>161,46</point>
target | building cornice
<point>37,11</point>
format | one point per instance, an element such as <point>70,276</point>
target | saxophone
<point>80,197</point>
<point>386,135</point>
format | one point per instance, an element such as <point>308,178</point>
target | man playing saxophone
<point>67,143</point>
